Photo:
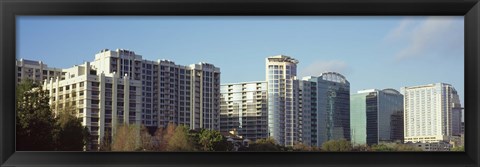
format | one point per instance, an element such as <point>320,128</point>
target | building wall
<point>333,107</point>
<point>120,87</point>
<point>244,109</point>
<point>308,113</point>
<point>371,114</point>
<point>428,112</point>
<point>281,73</point>
<point>101,101</point>
<point>358,118</point>
<point>36,71</point>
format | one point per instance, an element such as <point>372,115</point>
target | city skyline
<point>398,46</point>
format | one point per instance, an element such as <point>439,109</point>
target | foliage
<point>382,147</point>
<point>105,143</point>
<point>337,145</point>
<point>208,139</point>
<point>71,135</point>
<point>268,144</point>
<point>302,147</point>
<point>406,147</point>
<point>363,147</point>
<point>145,139</point>
<point>126,138</point>
<point>35,122</point>
<point>180,140</point>
<point>37,127</point>
<point>461,148</point>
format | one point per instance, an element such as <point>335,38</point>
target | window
<point>95,84</point>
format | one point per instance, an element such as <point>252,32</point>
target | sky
<point>370,51</point>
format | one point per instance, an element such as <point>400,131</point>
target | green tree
<point>209,138</point>
<point>337,145</point>
<point>180,140</point>
<point>406,147</point>
<point>298,146</point>
<point>70,134</point>
<point>461,148</point>
<point>382,147</point>
<point>267,144</point>
<point>363,147</point>
<point>35,122</point>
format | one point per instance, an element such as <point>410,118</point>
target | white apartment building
<point>428,112</point>
<point>281,76</point>
<point>118,87</point>
<point>244,109</point>
<point>102,101</point>
<point>36,71</point>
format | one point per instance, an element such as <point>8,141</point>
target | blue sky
<point>372,52</point>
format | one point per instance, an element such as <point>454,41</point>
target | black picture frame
<point>9,9</point>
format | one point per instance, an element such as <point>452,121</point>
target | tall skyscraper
<point>371,114</point>
<point>428,112</point>
<point>120,87</point>
<point>332,114</point>
<point>244,109</point>
<point>281,75</point>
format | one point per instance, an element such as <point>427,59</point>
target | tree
<point>164,135</point>
<point>157,140</point>
<point>298,146</point>
<point>209,138</point>
<point>105,143</point>
<point>382,147</point>
<point>363,147</point>
<point>337,145</point>
<point>146,139</point>
<point>406,147</point>
<point>35,122</point>
<point>180,140</point>
<point>127,138</point>
<point>267,144</point>
<point>70,134</point>
<point>461,148</point>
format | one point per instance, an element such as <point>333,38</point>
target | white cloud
<point>400,30</point>
<point>435,36</point>
<point>318,67</point>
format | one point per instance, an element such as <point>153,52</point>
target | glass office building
<point>374,116</point>
<point>332,107</point>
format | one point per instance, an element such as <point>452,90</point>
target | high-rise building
<point>332,112</point>
<point>374,116</point>
<point>307,113</point>
<point>244,109</point>
<point>120,87</point>
<point>101,100</point>
<point>428,112</point>
<point>456,116</point>
<point>281,75</point>
<point>36,71</point>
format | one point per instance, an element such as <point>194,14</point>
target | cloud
<point>400,30</point>
<point>434,36</point>
<point>318,67</point>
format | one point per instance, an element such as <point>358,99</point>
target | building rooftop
<point>282,58</point>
